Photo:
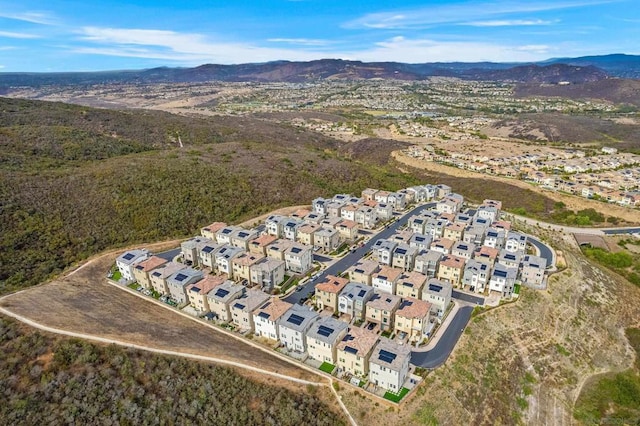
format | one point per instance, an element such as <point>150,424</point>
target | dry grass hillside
<point>526,362</point>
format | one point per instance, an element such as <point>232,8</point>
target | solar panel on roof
<point>325,331</point>
<point>361,293</point>
<point>348,337</point>
<point>181,277</point>
<point>350,350</point>
<point>139,267</point>
<point>242,234</point>
<point>128,256</point>
<point>195,289</point>
<point>502,274</point>
<point>238,306</point>
<point>296,250</point>
<point>263,315</point>
<point>359,271</point>
<point>207,249</point>
<point>295,319</point>
<point>435,287</point>
<point>156,274</point>
<point>221,292</point>
<point>386,356</point>
<point>226,231</point>
<point>401,251</point>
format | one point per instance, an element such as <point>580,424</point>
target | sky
<point>54,35</point>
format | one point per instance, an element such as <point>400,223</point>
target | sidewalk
<point>441,330</point>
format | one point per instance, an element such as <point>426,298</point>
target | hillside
<point>617,91</point>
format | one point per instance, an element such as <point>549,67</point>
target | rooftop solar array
<point>386,356</point>
<point>128,256</point>
<point>435,287</point>
<point>195,289</point>
<point>295,319</point>
<point>156,274</point>
<point>207,249</point>
<point>325,331</point>
<point>181,277</point>
<point>502,274</point>
<point>350,350</point>
<point>401,251</point>
<point>243,234</point>
<point>361,293</point>
<point>238,306</point>
<point>222,292</point>
<point>296,250</point>
<point>263,315</point>
<point>359,271</point>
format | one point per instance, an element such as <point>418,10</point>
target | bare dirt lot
<point>83,302</point>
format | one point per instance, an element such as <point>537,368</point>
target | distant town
<point>360,287</point>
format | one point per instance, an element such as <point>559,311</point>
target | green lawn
<point>516,288</point>
<point>116,276</point>
<point>133,286</point>
<point>327,367</point>
<point>396,397</point>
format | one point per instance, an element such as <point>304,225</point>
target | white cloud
<point>42,18</point>
<point>509,23</point>
<point>460,13</point>
<point>1,66</point>
<point>10,34</point>
<point>300,41</point>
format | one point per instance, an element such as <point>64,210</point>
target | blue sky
<point>112,34</point>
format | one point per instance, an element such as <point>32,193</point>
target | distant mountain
<point>574,70</point>
<point>615,90</point>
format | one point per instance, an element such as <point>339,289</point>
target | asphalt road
<point>169,255</point>
<point>545,250</point>
<point>439,354</point>
<point>467,297</point>
<point>343,264</point>
<point>622,231</point>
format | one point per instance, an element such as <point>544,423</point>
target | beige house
<point>306,233</point>
<point>259,245</point>
<point>323,338</point>
<point>211,230</point>
<point>160,275</point>
<point>327,292</point>
<point>381,309</point>
<point>326,238</point>
<point>363,271</point>
<point>386,279</point>
<point>141,270</point>
<point>410,284</point>
<point>277,249</point>
<point>348,230</point>
<point>442,245</point>
<point>222,297</point>
<point>454,231</point>
<point>412,317</point>
<point>354,350</point>
<point>451,269</point>
<point>241,238</point>
<point>197,292</point>
<point>243,307</point>
<point>266,316</point>
<point>267,272</point>
<point>242,264</point>
<point>369,194</point>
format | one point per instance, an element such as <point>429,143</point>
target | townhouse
<point>223,236</point>
<point>420,242</point>
<point>476,275</point>
<point>294,325</point>
<point>267,273</point>
<point>494,238</point>
<point>243,307</point>
<point>265,318</point>
<point>353,299</point>
<point>211,230</point>
<point>260,244</point>
<point>190,249</point>
<point>319,206</point>
<point>454,231</point>
<point>328,291</point>
<point>159,276</point>
<point>142,270</point>
<point>386,279</point>
<point>207,255</point>
<point>451,269</point>
<point>307,232</point>
<point>381,308</point>
<point>277,249</point>
<point>384,211</point>
<point>241,265</point>
<point>428,263</point>
<point>224,258</point>
<point>362,271</point>
<point>404,257</point>
<point>438,293</point>
<point>327,239</point>
<point>532,272</point>
<point>442,245</point>
<point>323,338</point>
<point>241,238</point>
<point>128,260</point>
<point>503,279</point>
<point>290,228</point>
<point>197,292</point>
<point>348,230</point>
<point>177,283</point>
<point>383,251</point>
<point>489,254</point>
<point>298,258</point>
<point>412,318</point>
<point>515,241</point>
<point>222,297</point>
<point>510,259</point>
<point>410,284</point>
<point>354,350</point>
<point>389,365</point>
<point>463,250</point>
<point>274,225</point>
<point>366,217</point>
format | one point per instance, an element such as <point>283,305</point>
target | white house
<point>265,318</point>
<point>389,365</point>
<point>127,260</point>
<point>293,327</point>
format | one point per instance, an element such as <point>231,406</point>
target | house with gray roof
<point>428,262</point>
<point>224,235</point>
<point>177,283</point>
<point>221,298</point>
<point>353,300</point>
<point>242,237</point>
<point>190,249</point>
<point>207,254</point>
<point>294,325</point>
<point>127,260</point>
<point>290,228</point>
<point>438,293</point>
<point>224,256</point>
<point>383,251</point>
<point>420,241</point>
<point>160,275</point>
<point>389,365</point>
<point>323,338</point>
<point>476,275</point>
<point>242,308</point>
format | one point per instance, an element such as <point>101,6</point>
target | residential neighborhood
<point>359,324</point>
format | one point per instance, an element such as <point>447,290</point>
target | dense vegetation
<point>623,262</point>
<point>68,381</point>
<point>613,398</point>
<point>58,206</point>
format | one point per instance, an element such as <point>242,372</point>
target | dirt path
<point>572,202</point>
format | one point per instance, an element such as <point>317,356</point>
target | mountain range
<point>553,71</point>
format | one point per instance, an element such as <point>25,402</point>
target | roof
<point>280,245</point>
<point>412,279</point>
<point>452,261</point>
<point>185,276</point>
<point>356,291</point>
<point>267,264</point>
<point>207,284</point>
<point>534,261</point>
<point>228,252</point>
<point>358,341</point>
<point>273,309</point>
<point>349,224</point>
<point>327,329</point>
<point>413,308</point>
<point>388,273</point>
<point>130,257</point>
<point>486,251</point>
<point>366,266</point>
<point>226,291</point>
<point>250,300</point>
<point>263,240</point>
<point>384,301</point>
<point>298,318</point>
<point>332,284</point>
<point>247,259</point>
<point>214,227</point>
<point>300,213</point>
<point>389,354</point>
<point>456,226</point>
<point>152,263</point>
<point>308,228</point>
<point>168,269</point>
<point>436,286</point>
<point>446,243</point>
